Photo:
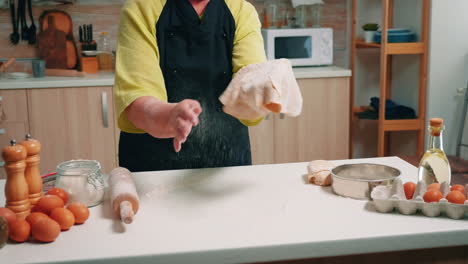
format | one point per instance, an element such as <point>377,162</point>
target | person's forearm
<point>152,116</point>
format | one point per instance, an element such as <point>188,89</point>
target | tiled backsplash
<point>105,17</point>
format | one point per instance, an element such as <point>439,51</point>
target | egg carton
<point>388,198</point>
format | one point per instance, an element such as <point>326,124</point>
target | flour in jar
<point>80,190</point>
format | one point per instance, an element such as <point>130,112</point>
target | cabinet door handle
<point>281,116</point>
<point>105,119</point>
<point>3,116</point>
<point>267,117</point>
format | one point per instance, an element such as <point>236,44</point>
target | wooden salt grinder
<point>32,173</point>
<point>16,187</point>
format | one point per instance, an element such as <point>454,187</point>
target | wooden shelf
<point>386,50</point>
<point>393,48</point>
<point>405,48</point>
<point>396,124</point>
<point>403,125</point>
<point>360,44</point>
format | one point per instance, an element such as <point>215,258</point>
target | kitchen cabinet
<point>262,141</point>
<point>73,123</point>
<point>69,122</point>
<point>320,132</point>
<point>13,118</point>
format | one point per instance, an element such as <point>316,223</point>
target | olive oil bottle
<point>434,165</point>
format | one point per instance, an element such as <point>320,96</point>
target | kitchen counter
<point>321,72</point>
<point>240,214</point>
<point>107,79</point>
<point>100,79</point>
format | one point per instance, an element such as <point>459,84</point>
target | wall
<point>448,68</point>
<point>366,81</point>
<point>104,15</point>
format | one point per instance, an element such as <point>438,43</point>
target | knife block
<point>89,64</point>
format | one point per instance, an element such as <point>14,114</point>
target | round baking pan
<point>357,180</point>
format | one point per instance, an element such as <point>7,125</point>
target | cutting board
<point>52,44</point>
<point>62,23</point>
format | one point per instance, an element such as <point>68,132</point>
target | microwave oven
<point>302,46</point>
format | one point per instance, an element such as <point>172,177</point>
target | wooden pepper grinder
<point>32,173</point>
<point>16,187</point>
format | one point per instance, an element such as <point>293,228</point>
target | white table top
<point>107,79</point>
<point>240,214</point>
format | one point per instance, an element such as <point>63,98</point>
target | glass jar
<point>308,16</point>
<point>270,14</point>
<point>83,181</point>
<point>19,69</point>
<point>315,15</point>
<point>105,53</point>
<point>301,16</point>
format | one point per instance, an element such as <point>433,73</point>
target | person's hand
<point>165,120</point>
<point>182,118</point>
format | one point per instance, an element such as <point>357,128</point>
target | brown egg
<point>48,203</point>
<point>458,187</point>
<point>64,218</point>
<point>8,214</point>
<point>433,186</point>
<point>409,188</point>
<point>3,231</point>
<point>456,197</point>
<point>432,196</point>
<point>60,193</point>
<point>34,217</point>
<point>20,230</point>
<point>45,230</point>
<point>80,211</point>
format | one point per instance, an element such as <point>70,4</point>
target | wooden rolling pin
<point>123,194</point>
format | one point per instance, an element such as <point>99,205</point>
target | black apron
<point>196,61</point>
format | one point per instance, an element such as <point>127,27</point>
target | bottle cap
<point>14,152</point>
<point>436,122</point>
<point>32,146</point>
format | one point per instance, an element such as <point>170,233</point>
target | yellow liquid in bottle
<point>434,167</point>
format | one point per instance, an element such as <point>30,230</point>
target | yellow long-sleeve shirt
<point>137,70</point>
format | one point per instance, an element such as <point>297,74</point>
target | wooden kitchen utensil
<point>63,23</point>
<point>89,64</point>
<point>52,46</point>
<point>32,173</point>
<point>8,63</point>
<point>65,73</point>
<point>16,187</point>
<point>124,197</point>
